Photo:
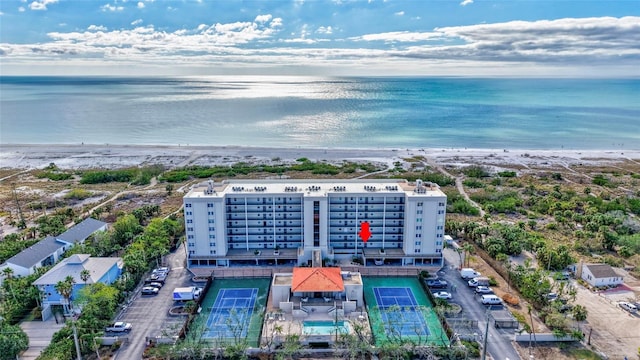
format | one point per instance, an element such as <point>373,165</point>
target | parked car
<point>119,326</point>
<point>164,269</point>
<point>442,295</point>
<point>483,290</point>
<point>469,273</point>
<point>437,283</point>
<point>628,306</point>
<point>490,300</point>
<point>150,290</point>
<point>552,296</point>
<point>478,281</point>
<point>155,284</point>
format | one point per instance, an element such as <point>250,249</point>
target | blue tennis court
<point>231,313</point>
<point>400,312</point>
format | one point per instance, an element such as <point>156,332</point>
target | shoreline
<point>86,156</point>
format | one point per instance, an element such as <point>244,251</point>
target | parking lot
<point>499,342</point>
<point>149,315</point>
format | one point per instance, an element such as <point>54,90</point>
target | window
<point>419,220</point>
<point>417,251</point>
<point>212,252</point>
<point>188,213</point>
<point>212,229</point>
<point>438,243</point>
<point>211,221</point>
<point>418,243</point>
<point>419,203</point>
<point>419,227</point>
<point>418,235</point>
<point>187,205</point>
<point>209,205</point>
<point>191,252</point>
<point>440,211</point>
<point>439,227</point>
<point>438,250</point>
<point>210,213</point>
<point>212,244</point>
<point>189,221</point>
<point>192,244</point>
<point>190,237</point>
<point>189,229</point>
<point>419,212</point>
<point>212,236</point>
<point>439,235</point>
<point>441,204</point>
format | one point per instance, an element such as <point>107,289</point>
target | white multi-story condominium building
<point>301,222</point>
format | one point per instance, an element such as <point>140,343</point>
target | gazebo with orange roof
<point>310,281</point>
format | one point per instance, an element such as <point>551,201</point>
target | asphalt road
<point>499,341</point>
<point>149,315</point>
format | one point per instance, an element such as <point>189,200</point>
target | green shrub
<point>78,194</point>
<point>507,174</point>
<point>473,183</point>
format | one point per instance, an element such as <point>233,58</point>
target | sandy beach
<point>119,156</point>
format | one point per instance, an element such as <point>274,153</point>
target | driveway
<point>499,342</point>
<point>149,315</point>
<point>39,333</point>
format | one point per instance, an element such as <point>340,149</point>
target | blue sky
<point>303,37</point>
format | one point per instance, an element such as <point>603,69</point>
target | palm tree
<point>85,275</point>
<point>65,289</point>
<point>8,274</point>
<point>468,249</point>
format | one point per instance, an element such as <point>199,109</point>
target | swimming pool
<point>325,327</point>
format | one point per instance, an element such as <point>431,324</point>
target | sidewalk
<point>39,333</point>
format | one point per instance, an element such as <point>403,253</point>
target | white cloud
<point>1,13</point>
<point>140,5</point>
<point>399,13</point>
<point>21,9</point>
<point>600,43</point>
<point>277,22</point>
<point>112,8</point>
<point>137,22</point>
<point>41,4</point>
<point>263,18</point>
<point>324,30</point>
<point>97,28</point>
<point>466,2</point>
<point>399,36</point>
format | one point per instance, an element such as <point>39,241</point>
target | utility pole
<point>486,335</point>
<point>75,339</point>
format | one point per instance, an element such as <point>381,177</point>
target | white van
<point>490,300</point>
<point>468,273</point>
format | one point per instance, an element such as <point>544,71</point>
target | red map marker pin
<point>365,232</point>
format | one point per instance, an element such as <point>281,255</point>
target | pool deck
<point>278,325</point>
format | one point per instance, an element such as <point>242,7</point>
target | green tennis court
<point>400,311</point>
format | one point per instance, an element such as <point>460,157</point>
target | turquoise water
<point>319,327</point>
<point>323,112</point>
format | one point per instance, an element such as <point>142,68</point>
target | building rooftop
<point>81,231</point>
<point>317,279</point>
<point>317,187</point>
<point>600,271</point>
<point>37,252</point>
<point>73,266</point>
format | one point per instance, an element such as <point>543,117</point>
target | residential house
<point>600,275</point>
<point>49,250</point>
<point>100,270</point>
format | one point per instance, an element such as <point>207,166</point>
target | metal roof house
<point>48,251</point>
<point>100,270</point>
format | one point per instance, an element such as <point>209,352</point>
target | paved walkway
<point>40,333</point>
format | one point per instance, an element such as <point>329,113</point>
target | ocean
<point>497,113</point>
